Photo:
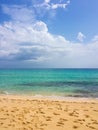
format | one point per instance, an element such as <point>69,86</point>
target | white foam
<point>5,92</point>
<point>55,97</point>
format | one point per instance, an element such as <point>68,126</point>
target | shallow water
<point>59,82</point>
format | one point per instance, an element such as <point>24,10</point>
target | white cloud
<point>60,5</point>
<point>19,13</point>
<point>68,2</point>
<point>81,36</point>
<point>31,43</point>
<point>40,26</point>
<point>55,6</point>
<point>49,5</point>
<point>48,8</point>
<point>47,1</point>
<point>95,39</point>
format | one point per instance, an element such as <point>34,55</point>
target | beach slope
<point>24,113</point>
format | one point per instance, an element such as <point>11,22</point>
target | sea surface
<point>50,82</point>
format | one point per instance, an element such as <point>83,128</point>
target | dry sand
<point>24,113</point>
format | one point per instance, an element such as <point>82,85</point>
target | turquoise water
<point>59,82</point>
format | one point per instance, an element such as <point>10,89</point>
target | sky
<point>48,34</point>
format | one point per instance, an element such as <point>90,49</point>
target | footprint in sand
<point>48,119</point>
<point>30,128</point>
<point>56,113</point>
<point>12,111</point>
<point>7,114</point>
<point>42,112</point>
<point>95,110</point>
<point>9,124</point>
<point>1,123</point>
<point>62,119</point>
<point>43,124</point>
<point>1,109</point>
<point>66,110</point>
<point>85,110</point>
<point>80,121</point>
<point>76,121</point>
<point>75,112</point>
<point>60,123</point>
<point>87,116</point>
<point>23,123</point>
<point>24,129</point>
<point>3,118</point>
<point>91,127</point>
<point>75,127</point>
<point>71,114</point>
<point>95,122</point>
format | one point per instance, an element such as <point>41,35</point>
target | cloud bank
<point>27,42</point>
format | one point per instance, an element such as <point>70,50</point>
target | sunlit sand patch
<point>36,114</point>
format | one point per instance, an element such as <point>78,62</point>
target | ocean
<point>50,82</point>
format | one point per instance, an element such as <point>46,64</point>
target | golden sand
<point>24,113</point>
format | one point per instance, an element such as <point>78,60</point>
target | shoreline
<point>52,97</point>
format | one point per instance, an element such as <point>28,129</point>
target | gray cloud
<point>28,43</point>
<point>27,54</point>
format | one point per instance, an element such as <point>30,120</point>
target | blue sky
<point>48,33</point>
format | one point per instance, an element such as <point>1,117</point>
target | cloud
<point>48,8</point>
<point>55,6</point>
<point>60,5</point>
<point>49,5</point>
<point>19,13</point>
<point>29,43</point>
<point>47,1</point>
<point>81,36</point>
<point>20,36</point>
<point>95,39</point>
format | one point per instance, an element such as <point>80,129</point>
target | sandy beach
<point>24,113</point>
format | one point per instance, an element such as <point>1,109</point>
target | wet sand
<point>24,113</point>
